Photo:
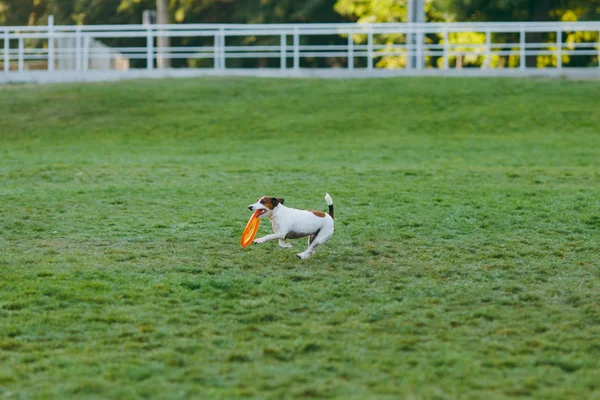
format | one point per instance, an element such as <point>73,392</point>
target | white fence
<point>361,48</point>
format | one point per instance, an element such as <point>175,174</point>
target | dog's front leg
<point>272,236</point>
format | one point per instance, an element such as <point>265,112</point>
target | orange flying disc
<point>251,229</point>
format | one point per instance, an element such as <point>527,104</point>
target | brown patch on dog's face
<point>269,202</point>
<point>319,214</point>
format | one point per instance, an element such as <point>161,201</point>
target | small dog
<point>290,223</point>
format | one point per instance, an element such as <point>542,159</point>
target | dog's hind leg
<point>285,245</point>
<point>311,238</point>
<point>320,238</point>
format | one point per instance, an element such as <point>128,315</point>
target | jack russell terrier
<point>290,223</point>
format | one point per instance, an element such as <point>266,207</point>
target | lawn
<point>465,261</point>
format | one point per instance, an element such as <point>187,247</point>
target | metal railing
<point>442,46</point>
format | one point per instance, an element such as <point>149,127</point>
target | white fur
<point>292,223</point>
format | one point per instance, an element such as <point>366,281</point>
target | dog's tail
<point>329,203</point>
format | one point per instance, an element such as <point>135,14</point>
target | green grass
<point>465,262</point>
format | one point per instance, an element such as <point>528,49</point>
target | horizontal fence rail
<point>360,47</point>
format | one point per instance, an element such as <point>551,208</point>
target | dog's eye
<point>262,202</point>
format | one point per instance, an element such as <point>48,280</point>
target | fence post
<point>370,48</point>
<point>409,46</point>
<point>296,48</point>
<point>420,56</point>
<point>216,51</point>
<point>283,56</point>
<point>222,56</point>
<point>350,51</point>
<point>149,48</point>
<point>86,53</point>
<point>78,49</point>
<point>51,43</point>
<point>446,47</point>
<point>559,49</point>
<point>21,55</point>
<point>522,53</point>
<point>488,45</point>
<point>6,51</point>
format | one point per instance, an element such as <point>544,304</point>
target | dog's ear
<point>274,202</point>
<point>280,200</point>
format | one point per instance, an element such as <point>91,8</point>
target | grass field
<point>465,262</point>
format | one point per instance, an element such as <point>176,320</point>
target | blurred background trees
<point>66,12</point>
<point>34,12</point>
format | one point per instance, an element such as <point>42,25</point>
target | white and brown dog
<point>290,223</point>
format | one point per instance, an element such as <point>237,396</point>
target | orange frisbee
<point>251,229</point>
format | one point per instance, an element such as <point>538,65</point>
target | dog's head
<point>266,205</point>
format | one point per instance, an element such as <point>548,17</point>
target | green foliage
<point>472,10</point>
<point>65,12</point>
<point>464,262</point>
<point>373,11</point>
<point>476,10</point>
<point>519,10</point>
<point>365,11</point>
<point>254,11</point>
<point>18,12</point>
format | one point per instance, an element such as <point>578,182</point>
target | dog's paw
<point>302,256</point>
<point>257,241</point>
<point>286,245</point>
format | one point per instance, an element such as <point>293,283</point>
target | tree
<point>162,18</point>
<point>531,10</point>
<point>478,10</point>
<point>255,11</point>
<point>372,11</point>
<point>519,10</point>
